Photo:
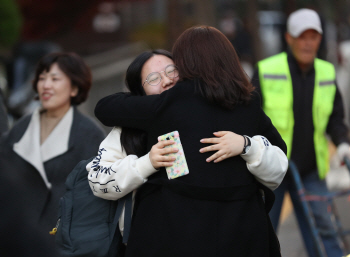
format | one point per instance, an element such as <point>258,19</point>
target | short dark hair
<point>205,55</point>
<point>133,79</point>
<point>73,66</point>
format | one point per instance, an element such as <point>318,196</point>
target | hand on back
<point>226,143</point>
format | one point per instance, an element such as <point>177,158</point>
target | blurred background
<point>110,33</point>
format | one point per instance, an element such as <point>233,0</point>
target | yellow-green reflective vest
<point>277,90</point>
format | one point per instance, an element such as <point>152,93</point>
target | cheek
<point>64,93</point>
<point>300,50</point>
<point>316,45</point>
<point>39,87</point>
<point>154,90</point>
<point>300,45</point>
<point>158,89</point>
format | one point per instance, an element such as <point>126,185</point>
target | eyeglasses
<point>155,78</point>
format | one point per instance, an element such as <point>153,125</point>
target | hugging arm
<point>266,158</point>
<point>125,110</point>
<point>268,163</point>
<point>112,173</point>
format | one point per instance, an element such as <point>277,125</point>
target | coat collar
<point>57,143</point>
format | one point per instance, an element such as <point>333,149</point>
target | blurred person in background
<point>301,97</point>
<point>42,148</point>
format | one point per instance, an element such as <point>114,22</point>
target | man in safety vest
<point>300,95</point>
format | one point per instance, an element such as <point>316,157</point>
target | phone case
<point>179,168</point>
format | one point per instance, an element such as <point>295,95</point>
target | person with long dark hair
<point>217,209</point>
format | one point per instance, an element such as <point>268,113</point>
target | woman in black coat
<point>217,209</point>
<point>39,152</point>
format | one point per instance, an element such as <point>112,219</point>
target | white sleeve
<point>266,162</point>
<point>112,173</point>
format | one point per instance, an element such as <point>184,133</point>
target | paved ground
<point>290,238</point>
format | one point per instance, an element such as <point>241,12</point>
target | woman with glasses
<point>113,174</point>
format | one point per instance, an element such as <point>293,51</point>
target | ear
<point>288,38</point>
<point>74,91</point>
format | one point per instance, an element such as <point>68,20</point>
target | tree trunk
<point>174,22</point>
<point>205,12</point>
<point>253,28</point>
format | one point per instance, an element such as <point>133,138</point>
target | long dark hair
<point>134,140</point>
<point>205,55</point>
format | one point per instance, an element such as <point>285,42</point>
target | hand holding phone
<point>159,154</point>
<point>179,167</point>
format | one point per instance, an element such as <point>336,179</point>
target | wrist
<point>254,153</point>
<point>145,166</point>
<point>247,144</point>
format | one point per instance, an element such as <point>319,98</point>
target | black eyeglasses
<point>155,78</point>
